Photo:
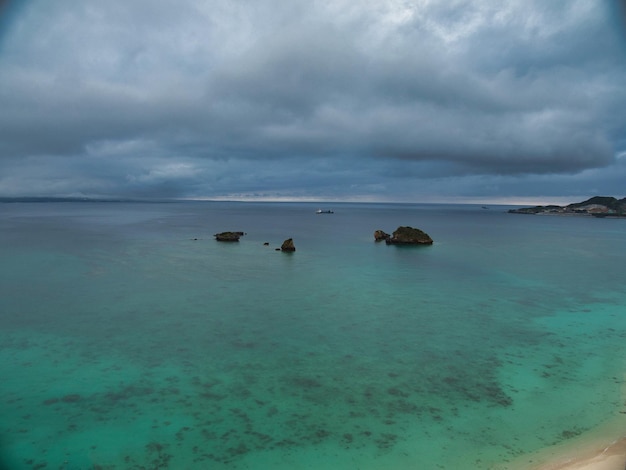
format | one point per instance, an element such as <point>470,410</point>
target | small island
<point>404,236</point>
<point>597,206</point>
<point>228,236</point>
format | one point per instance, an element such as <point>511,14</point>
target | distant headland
<point>63,199</point>
<point>598,206</point>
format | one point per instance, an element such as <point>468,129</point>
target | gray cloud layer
<point>333,99</point>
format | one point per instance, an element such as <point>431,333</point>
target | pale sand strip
<point>599,449</point>
<point>611,457</point>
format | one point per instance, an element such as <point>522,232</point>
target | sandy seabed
<point>603,448</point>
<point>592,451</point>
<point>611,457</point>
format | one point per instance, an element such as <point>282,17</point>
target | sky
<point>329,100</point>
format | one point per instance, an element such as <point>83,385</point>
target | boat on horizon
<point>327,211</point>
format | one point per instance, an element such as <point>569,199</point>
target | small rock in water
<point>228,236</point>
<point>380,235</point>
<point>288,245</point>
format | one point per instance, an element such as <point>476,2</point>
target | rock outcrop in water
<point>409,236</point>
<point>228,236</point>
<point>288,246</point>
<point>380,235</point>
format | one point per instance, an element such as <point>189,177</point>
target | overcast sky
<point>401,100</point>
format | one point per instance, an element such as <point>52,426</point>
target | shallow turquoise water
<point>129,338</point>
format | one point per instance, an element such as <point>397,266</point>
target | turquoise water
<point>130,338</point>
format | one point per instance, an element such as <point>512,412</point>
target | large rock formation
<point>409,236</point>
<point>228,236</point>
<point>288,245</point>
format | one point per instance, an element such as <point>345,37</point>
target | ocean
<point>131,339</point>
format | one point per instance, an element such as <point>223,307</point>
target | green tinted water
<point>125,343</point>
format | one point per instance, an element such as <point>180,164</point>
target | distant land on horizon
<point>598,206</point>
<point>71,199</point>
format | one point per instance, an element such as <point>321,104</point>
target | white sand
<point>611,457</point>
<point>584,455</point>
<point>603,448</point>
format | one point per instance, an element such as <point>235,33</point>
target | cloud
<point>327,98</point>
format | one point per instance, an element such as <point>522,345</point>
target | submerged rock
<point>228,236</point>
<point>409,236</point>
<point>379,236</point>
<point>288,245</point>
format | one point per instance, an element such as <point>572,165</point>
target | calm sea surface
<point>130,338</point>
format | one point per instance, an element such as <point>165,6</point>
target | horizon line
<point>504,200</point>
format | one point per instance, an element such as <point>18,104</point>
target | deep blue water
<point>130,338</point>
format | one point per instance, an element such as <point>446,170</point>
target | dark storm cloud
<point>336,99</point>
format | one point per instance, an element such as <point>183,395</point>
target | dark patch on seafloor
<point>236,418</point>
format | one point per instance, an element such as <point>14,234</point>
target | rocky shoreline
<point>597,206</point>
